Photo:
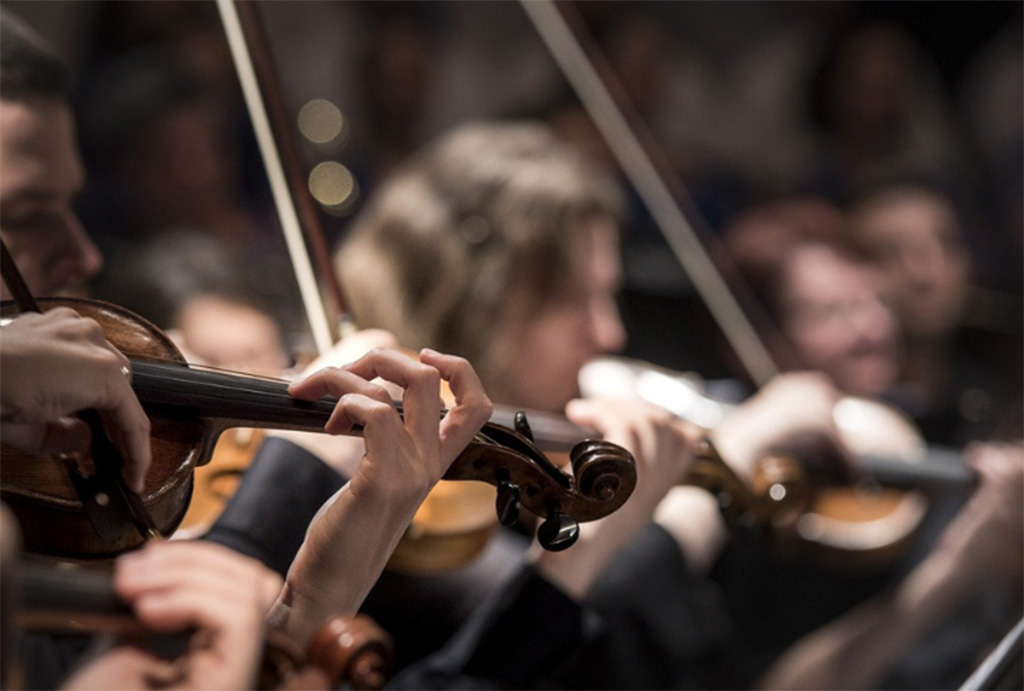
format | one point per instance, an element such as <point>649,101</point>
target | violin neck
<point>941,469</point>
<point>57,599</point>
<point>549,431</point>
<point>70,599</point>
<point>235,399</point>
<point>245,401</point>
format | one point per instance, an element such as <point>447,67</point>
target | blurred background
<point>748,102</point>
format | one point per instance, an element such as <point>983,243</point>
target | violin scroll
<point>602,472</point>
<point>353,650</point>
<point>603,478</point>
<point>600,468</point>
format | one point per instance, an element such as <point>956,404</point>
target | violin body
<point>39,489</point>
<point>216,481</point>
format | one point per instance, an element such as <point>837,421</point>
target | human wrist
<point>692,517</point>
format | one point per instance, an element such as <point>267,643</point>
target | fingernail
<point>429,351</point>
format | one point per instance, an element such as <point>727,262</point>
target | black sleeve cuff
<point>279,495</point>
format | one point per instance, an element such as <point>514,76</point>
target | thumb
<point>65,435</point>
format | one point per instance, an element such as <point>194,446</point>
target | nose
<point>923,263</point>
<point>607,331</point>
<point>873,322</point>
<point>79,259</point>
<point>90,257</point>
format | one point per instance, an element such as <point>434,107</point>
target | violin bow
<point>1002,669</point>
<point>296,209</point>
<point>631,145</point>
<point>109,503</point>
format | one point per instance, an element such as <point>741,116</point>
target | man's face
<point>40,175</point>
<point>917,242</point>
<point>837,323</point>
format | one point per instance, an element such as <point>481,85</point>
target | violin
<point>797,498</point>
<point>64,598</point>
<point>190,407</point>
<point>216,482</point>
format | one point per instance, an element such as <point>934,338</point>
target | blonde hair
<point>469,234</point>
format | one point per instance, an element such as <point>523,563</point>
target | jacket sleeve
<point>279,495</point>
<point>516,640</point>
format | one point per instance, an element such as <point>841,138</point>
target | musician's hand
<point>983,543</point>
<point>174,586</point>
<point>663,449</point>
<point>56,364</point>
<point>352,537</point>
<point>409,454</point>
<point>793,413</point>
<point>342,453</point>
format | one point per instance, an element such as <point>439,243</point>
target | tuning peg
<point>558,532</point>
<point>507,503</point>
<point>522,425</point>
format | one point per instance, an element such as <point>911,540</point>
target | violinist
<point>58,363</point>
<point>925,631</point>
<point>55,364</point>
<point>570,275</point>
<point>42,171</point>
<point>822,293</point>
<point>874,298</point>
<point>176,585</point>
<point>819,292</point>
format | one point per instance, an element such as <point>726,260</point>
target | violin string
<point>232,383</point>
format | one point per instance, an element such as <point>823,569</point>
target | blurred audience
<point>954,387</point>
<point>992,81</point>
<point>819,294</point>
<point>880,108</point>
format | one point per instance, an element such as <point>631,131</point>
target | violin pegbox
<point>603,477</point>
